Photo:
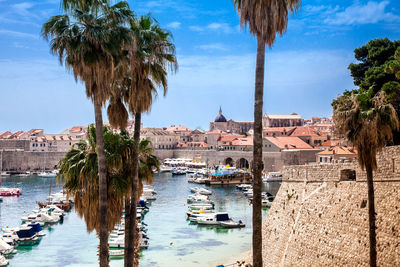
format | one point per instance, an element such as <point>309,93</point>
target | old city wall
<point>12,144</point>
<point>320,215</point>
<point>25,161</point>
<point>273,161</point>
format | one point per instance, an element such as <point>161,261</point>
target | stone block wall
<point>318,219</point>
<point>29,161</point>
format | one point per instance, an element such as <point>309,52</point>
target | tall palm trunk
<point>371,216</point>
<point>127,232</point>
<point>103,235</point>
<point>257,154</point>
<point>129,258</point>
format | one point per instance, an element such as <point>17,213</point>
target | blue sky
<point>305,69</point>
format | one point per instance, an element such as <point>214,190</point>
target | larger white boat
<point>47,174</point>
<point>3,261</point>
<point>214,219</point>
<point>165,168</point>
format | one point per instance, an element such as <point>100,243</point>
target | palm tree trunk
<point>127,232</point>
<point>129,259</point>
<point>257,154</point>
<point>103,253</point>
<point>371,217</point>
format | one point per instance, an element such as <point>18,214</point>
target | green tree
<point>265,19</point>
<point>378,70</point>
<point>88,41</point>
<point>145,69</point>
<point>368,124</point>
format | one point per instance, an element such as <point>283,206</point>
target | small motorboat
<point>200,206</point>
<point>3,261</point>
<point>266,203</point>
<point>204,191</point>
<point>47,174</point>
<point>194,189</point>
<point>5,248</point>
<point>27,236</point>
<point>4,191</point>
<point>232,224</point>
<point>116,253</point>
<point>213,219</point>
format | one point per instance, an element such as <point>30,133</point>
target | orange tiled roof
<point>306,131</point>
<point>339,150</point>
<point>5,135</point>
<point>288,142</point>
<point>179,128</point>
<point>248,141</point>
<point>230,138</point>
<point>216,131</point>
<point>181,145</point>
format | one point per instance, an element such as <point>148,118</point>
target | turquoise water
<point>69,244</point>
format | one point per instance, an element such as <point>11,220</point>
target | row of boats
<point>266,197</point>
<point>116,239</point>
<point>28,173</point>
<point>30,232</point>
<point>201,210</point>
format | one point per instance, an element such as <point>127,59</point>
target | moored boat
<point>3,261</point>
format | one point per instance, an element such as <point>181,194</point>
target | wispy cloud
<point>174,25</point>
<point>216,46</point>
<point>22,8</point>
<point>217,27</point>
<point>18,34</point>
<point>372,12</point>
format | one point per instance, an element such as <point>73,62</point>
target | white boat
<point>5,248</point>
<point>201,206</point>
<point>266,203</point>
<point>25,174</point>
<point>197,198</point>
<point>194,189</point>
<point>232,224</point>
<point>47,174</point>
<point>165,168</point>
<point>4,174</point>
<point>244,186</point>
<point>3,261</point>
<point>204,191</point>
<point>214,219</point>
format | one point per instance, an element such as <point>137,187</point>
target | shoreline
<point>231,260</point>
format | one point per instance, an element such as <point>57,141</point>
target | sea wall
<point>320,215</point>
<point>29,161</point>
<point>273,161</point>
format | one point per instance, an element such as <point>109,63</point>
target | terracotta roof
<point>339,150</point>
<point>216,131</point>
<point>77,129</point>
<point>181,145</point>
<point>248,141</point>
<point>306,131</point>
<point>16,135</point>
<point>179,128</point>
<point>230,138</point>
<point>5,135</point>
<point>197,144</point>
<point>330,143</point>
<point>288,142</point>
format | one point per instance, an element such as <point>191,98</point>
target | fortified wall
<point>273,161</point>
<point>320,215</point>
<point>17,161</point>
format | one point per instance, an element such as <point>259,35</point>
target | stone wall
<point>6,144</point>
<point>28,161</point>
<point>319,218</point>
<point>273,161</point>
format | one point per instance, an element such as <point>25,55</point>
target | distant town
<point>313,138</point>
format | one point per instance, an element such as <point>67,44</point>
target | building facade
<point>230,126</point>
<point>282,120</point>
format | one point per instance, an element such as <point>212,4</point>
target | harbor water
<point>174,241</point>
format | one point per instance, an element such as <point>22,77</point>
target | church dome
<point>220,117</point>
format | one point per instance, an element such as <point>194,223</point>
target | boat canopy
<point>222,217</point>
<point>26,232</point>
<point>36,227</point>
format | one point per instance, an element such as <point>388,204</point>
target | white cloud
<point>216,46</point>
<point>372,12</point>
<point>217,27</point>
<point>174,25</point>
<point>18,34</point>
<point>22,8</point>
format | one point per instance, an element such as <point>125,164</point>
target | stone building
<point>282,120</point>
<point>231,126</point>
<point>336,153</point>
<point>161,139</point>
<point>309,135</point>
<point>279,143</point>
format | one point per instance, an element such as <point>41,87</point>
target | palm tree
<point>368,125</point>
<point>265,18</point>
<point>88,41</point>
<point>145,70</point>
<point>79,172</point>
